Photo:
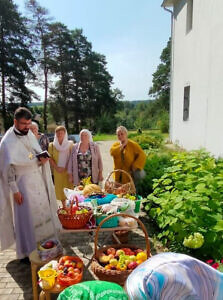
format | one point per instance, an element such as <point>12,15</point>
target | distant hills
<point>134,102</point>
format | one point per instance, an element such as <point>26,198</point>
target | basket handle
<point>126,173</point>
<point>122,215</point>
<point>72,204</point>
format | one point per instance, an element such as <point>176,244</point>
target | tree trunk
<point>3,102</point>
<point>45,98</point>
<point>3,80</point>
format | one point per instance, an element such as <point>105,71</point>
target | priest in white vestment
<point>28,208</point>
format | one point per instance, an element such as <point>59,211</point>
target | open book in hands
<point>43,154</point>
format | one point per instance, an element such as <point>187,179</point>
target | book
<point>44,154</point>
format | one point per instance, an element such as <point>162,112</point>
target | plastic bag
<point>70,194</point>
<point>125,206</point>
<point>127,222</point>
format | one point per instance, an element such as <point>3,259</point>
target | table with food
<point>89,208</point>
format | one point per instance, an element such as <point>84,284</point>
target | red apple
<point>48,244</point>
<point>127,251</point>
<point>71,274</point>
<point>132,265</point>
<point>111,251</point>
<point>76,270</point>
<point>119,252</point>
<point>70,269</point>
<point>137,251</point>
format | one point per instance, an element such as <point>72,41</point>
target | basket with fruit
<point>74,217</point>
<point>114,187</point>
<point>69,270</point>
<point>115,262</point>
<point>49,249</point>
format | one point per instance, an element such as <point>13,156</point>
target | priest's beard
<point>24,131</point>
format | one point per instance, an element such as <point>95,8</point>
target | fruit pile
<point>70,270</point>
<point>122,259</point>
<point>74,211</point>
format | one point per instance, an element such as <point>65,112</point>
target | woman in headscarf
<point>59,151</point>
<point>85,160</point>
<point>174,276</point>
<point>41,137</point>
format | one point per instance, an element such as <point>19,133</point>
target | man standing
<point>27,197</point>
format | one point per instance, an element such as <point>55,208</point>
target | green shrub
<point>147,141</point>
<point>154,168</point>
<point>188,199</point>
<point>163,123</point>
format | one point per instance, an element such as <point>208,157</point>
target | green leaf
<point>219,226</point>
<point>167,181</point>
<point>178,205</point>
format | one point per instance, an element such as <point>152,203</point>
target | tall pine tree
<point>160,89</point>
<point>39,25</point>
<point>15,57</point>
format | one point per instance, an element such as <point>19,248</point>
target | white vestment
<point>36,218</point>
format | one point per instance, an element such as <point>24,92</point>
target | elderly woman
<point>85,160</point>
<point>127,155</point>
<point>174,276</point>
<point>59,151</point>
<point>42,138</point>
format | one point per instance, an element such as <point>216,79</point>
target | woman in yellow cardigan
<point>59,151</point>
<point>127,155</point>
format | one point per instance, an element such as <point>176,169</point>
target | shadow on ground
<point>21,273</point>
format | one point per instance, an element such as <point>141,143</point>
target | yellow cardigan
<point>134,158</point>
<point>61,180</point>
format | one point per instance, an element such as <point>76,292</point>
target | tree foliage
<point>160,89</point>
<point>16,59</point>
<point>39,27</point>
<point>81,88</point>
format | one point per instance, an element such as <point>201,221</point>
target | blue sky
<point>130,33</point>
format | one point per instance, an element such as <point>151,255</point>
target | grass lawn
<point>104,137</point>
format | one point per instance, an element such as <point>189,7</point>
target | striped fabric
<point>172,276</point>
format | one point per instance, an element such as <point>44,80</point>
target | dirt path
<point>106,157</point>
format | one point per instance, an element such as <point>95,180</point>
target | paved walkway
<point>15,278</point>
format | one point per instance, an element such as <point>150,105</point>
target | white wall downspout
<point>171,74</point>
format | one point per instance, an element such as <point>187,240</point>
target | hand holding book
<point>43,154</point>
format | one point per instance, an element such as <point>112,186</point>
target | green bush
<point>147,141</point>
<point>164,122</point>
<point>188,199</point>
<point>154,168</point>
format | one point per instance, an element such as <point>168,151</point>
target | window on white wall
<point>186,103</point>
<point>189,15</point>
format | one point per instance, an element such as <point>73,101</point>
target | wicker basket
<point>114,275</point>
<point>71,220</point>
<point>114,187</point>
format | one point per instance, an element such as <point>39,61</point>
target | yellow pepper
<point>121,267</point>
